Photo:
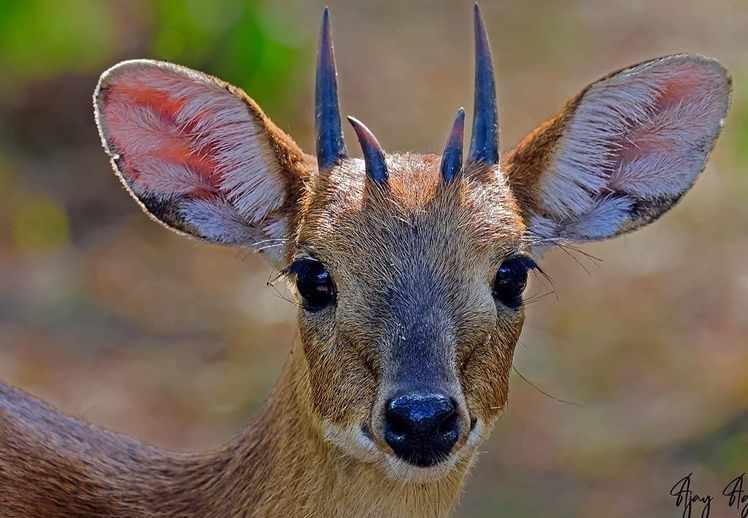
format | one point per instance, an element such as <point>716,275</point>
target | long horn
<point>376,166</point>
<point>452,156</point>
<point>484,143</point>
<point>330,144</point>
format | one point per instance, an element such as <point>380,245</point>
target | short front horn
<point>452,156</point>
<point>376,166</point>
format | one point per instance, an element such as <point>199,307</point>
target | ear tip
<point>130,65</point>
<point>722,74</point>
<point>113,73</point>
<point>699,60</point>
<point>706,72</point>
<point>715,65</point>
<point>710,70</point>
<point>147,66</point>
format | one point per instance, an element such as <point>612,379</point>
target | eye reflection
<point>314,283</point>
<point>511,280</point>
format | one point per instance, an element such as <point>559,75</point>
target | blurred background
<point>633,375</point>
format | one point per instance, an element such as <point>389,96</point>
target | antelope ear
<point>622,152</point>
<point>199,155</point>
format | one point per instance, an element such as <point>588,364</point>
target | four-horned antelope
<point>408,268</point>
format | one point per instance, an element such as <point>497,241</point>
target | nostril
<point>449,423</point>
<point>397,425</point>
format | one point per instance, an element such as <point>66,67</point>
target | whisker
<point>572,403</point>
<point>542,273</point>
<point>287,299</point>
<point>537,297</point>
<point>278,293</point>
<point>280,240</point>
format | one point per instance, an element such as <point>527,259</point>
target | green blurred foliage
<point>40,224</point>
<point>245,43</point>
<point>739,121</point>
<point>42,38</point>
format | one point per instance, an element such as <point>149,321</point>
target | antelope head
<point>409,268</point>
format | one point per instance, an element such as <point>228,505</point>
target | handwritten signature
<point>691,501</point>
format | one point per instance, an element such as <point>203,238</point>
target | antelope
<point>408,270</point>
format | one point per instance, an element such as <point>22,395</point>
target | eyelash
<point>526,261</point>
<point>296,266</point>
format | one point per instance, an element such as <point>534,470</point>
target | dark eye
<point>511,280</point>
<point>314,284</point>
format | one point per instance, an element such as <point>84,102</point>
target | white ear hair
<point>196,152</point>
<point>629,147</point>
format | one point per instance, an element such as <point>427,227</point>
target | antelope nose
<point>421,428</point>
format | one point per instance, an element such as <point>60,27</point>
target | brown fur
<point>55,466</point>
<point>525,164</point>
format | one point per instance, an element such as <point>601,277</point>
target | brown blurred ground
<point>112,318</point>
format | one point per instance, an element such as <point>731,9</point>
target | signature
<point>737,497</point>
<point>686,498</point>
<point>691,502</point>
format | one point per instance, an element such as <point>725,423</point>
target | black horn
<point>484,143</point>
<point>330,144</point>
<point>376,166</point>
<point>452,156</point>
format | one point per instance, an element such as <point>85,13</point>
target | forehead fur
<point>415,213</point>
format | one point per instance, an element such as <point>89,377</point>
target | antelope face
<point>410,294</point>
<point>409,269</point>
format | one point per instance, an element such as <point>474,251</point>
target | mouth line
<point>414,463</point>
<point>426,462</point>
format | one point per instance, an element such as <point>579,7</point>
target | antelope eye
<point>314,283</point>
<point>511,280</point>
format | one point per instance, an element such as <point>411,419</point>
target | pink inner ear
<point>161,154</point>
<point>181,135</point>
<point>643,139</point>
<point>662,152</point>
<point>640,134</point>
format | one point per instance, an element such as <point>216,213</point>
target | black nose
<point>421,428</point>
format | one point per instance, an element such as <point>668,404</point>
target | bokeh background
<point>634,374</point>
